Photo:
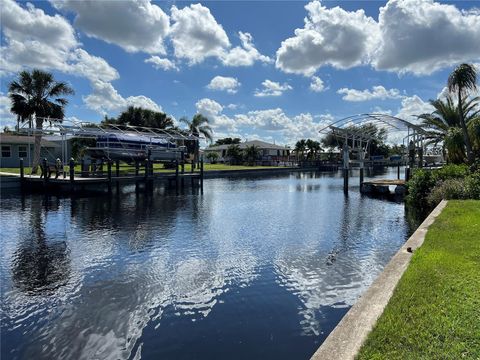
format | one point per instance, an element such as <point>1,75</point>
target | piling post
<point>176,174</point>
<point>44,171</point>
<point>137,167</point>
<point>117,168</point>
<point>22,170</point>
<point>398,171</point>
<point>82,167</point>
<point>201,172</point>
<point>72,173</point>
<point>109,174</point>
<point>361,178</point>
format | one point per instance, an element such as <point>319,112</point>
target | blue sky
<point>275,70</point>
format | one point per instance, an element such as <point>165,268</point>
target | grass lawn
<point>159,168</point>
<point>434,312</point>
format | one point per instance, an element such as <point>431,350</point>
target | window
<point>6,151</point>
<point>22,151</point>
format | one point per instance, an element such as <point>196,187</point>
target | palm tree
<point>444,125</point>
<point>462,80</point>
<point>300,147</point>
<point>198,126</point>
<point>235,154</point>
<point>313,147</point>
<point>252,153</point>
<point>36,95</point>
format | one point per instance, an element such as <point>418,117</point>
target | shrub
<point>427,188</point>
<point>448,189</point>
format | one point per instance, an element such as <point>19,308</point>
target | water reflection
<point>40,265</point>
<point>136,274</point>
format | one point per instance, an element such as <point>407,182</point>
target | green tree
<point>137,116</point>
<point>228,141</point>
<point>198,126</point>
<point>234,154</point>
<point>300,147</point>
<point>443,125</point>
<point>37,96</point>
<point>212,156</point>
<point>461,81</point>
<point>313,148</point>
<point>252,153</point>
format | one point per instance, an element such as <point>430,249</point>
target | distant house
<point>15,147</point>
<point>269,153</point>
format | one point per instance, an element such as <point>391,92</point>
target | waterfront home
<point>15,147</point>
<point>269,154</point>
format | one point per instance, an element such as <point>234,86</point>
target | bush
<point>448,189</point>
<point>428,187</point>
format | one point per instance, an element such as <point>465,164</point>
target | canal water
<point>253,268</point>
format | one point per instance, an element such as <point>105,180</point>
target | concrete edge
<point>345,341</point>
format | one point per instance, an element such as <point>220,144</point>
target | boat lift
<point>351,130</point>
<point>88,130</point>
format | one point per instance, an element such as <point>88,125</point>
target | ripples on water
<point>253,268</point>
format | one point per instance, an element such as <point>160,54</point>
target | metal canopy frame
<point>349,128</point>
<point>89,130</point>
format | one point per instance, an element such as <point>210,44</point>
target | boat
<point>132,147</point>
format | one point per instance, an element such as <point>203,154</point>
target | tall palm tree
<point>444,125</point>
<point>462,80</point>
<point>199,125</point>
<point>300,147</point>
<point>37,95</point>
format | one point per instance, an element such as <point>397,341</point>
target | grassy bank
<point>434,312</point>
<point>159,167</point>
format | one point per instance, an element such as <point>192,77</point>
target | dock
<point>381,186</point>
<point>111,174</point>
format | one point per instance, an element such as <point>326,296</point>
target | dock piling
<point>72,172</point>
<point>109,174</point>
<point>22,171</point>
<point>361,178</point>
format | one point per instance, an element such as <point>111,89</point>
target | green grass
<point>434,312</point>
<point>159,168</point>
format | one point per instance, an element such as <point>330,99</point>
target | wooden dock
<point>381,186</point>
<point>91,178</point>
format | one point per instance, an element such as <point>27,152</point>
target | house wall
<point>13,161</point>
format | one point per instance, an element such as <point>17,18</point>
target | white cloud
<point>135,25</point>
<point>412,107</point>
<point>92,67</point>
<point>105,98</point>
<point>7,118</point>
<point>196,34</point>
<point>213,111</point>
<point>377,93</point>
<point>290,129</point>
<point>317,84</point>
<point>33,38</point>
<point>330,37</point>
<point>272,88</point>
<point>159,63</point>
<point>424,36</point>
<point>222,83</point>
<point>415,36</point>
<point>244,55</point>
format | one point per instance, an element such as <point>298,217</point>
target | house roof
<point>8,139</point>
<point>258,143</point>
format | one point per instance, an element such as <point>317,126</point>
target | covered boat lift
<point>356,137</point>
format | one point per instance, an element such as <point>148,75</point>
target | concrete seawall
<point>345,341</point>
